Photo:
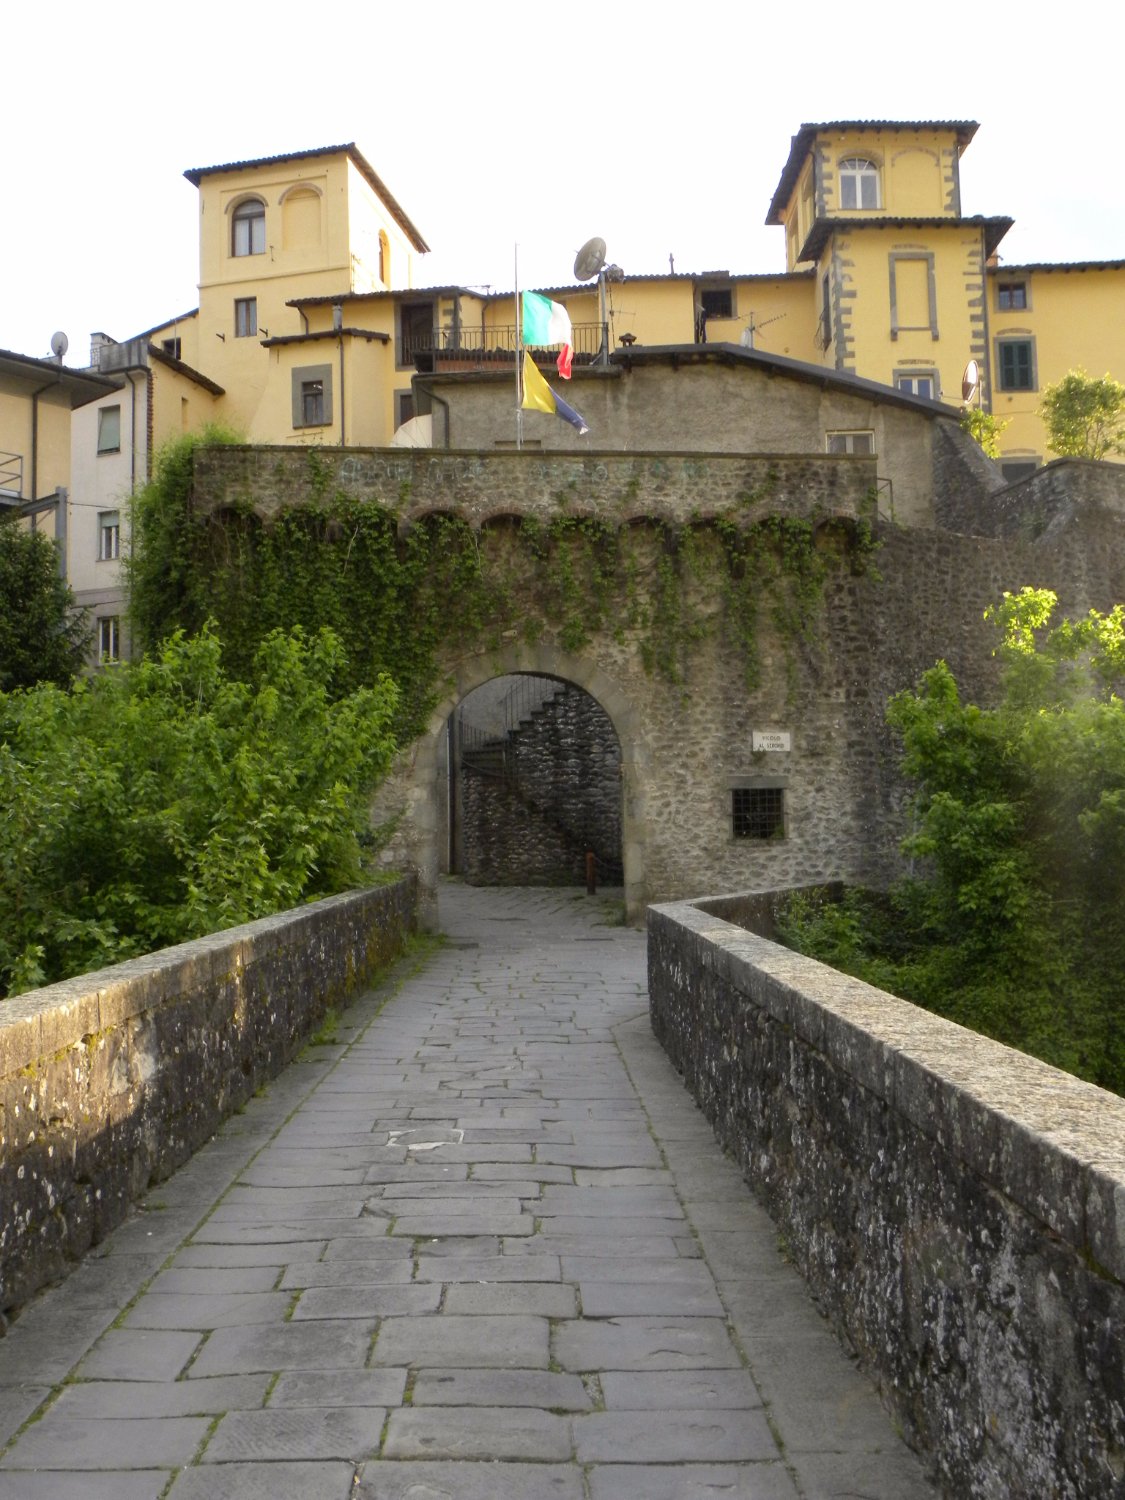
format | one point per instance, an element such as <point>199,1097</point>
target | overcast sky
<point>664,130</point>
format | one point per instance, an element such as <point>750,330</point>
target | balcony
<point>11,478</point>
<point>431,350</point>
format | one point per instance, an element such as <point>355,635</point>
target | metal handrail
<point>11,474</point>
<point>494,343</point>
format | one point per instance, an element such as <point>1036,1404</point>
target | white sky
<point>661,129</point>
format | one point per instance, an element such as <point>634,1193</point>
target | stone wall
<point>957,1207</point>
<point>687,745</point>
<point>561,797</point>
<point>110,1081</point>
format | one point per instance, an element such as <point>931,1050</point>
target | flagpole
<point>519,351</point>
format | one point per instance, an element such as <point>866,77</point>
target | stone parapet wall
<point>957,1207</point>
<point>110,1081</point>
<point>617,487</point>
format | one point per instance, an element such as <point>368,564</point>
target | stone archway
<point>533,771</point>
<point>415,797</point>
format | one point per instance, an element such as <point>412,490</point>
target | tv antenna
<point>588,263</point>
<point>747,339</point>
<point>59,345</point>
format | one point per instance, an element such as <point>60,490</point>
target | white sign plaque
<point>770,739</point>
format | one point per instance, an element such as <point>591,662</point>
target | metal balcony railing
<point>479,347</point>
<point>11,476</point>
<point>823,335</point>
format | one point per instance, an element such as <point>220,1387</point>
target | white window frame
<point>248,228</point>
<point>109,639</point>
<point>245,317</point>
<point>860,179</point>
<point>109,429</point>
<point>109,535</point>
<point>857,441</point>
<point>907,382</point>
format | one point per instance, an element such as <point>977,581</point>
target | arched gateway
<point>426,792</point>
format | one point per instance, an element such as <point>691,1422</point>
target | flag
<point>538,396</point>
<point>547,322</point>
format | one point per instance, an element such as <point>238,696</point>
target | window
<point>312,396</point>
<point>404,407</point>
<point>109,638</point>
<point>312,403</point>
<point>1018,469</point>
<point>1011,296</point>
<point>824,330</point>
<point>1016,363</point>
<point>109,429</point>
<point>717,301</point>
<point>171,347</point>
<point>109,535</point>
<point>859,183</point>
<point>850,442</point>
<point>758,812</point>
<point>245,317</point>
<point>921,384</point>
<point>248,228</point>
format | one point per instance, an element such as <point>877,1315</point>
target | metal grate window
<point>758,812</point>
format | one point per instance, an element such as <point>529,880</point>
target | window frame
<point>109,639</point>
<point>109,535</point>
<point>302,377</point>
<point>849,434</point>
<point>915,375</point>
<point>1013,342</point>
<point>1004,290</point>
<point>858,172</point>
<point>245,317</point>
<point>104,445</point>
<point>744,789</point>
<point>251,215</point>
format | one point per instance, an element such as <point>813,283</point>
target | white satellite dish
<point>970,381</point>
<point>59,345</point>
<point>589,260</point>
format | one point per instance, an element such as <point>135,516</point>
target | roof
<point>147,333</point>
<point>590,287</point>
<point>995,228</point>
<point>801,142</point>
<point>196,174</point>
<point>180,368</point>
<point>79,386</point>
<point>1056,265</point>
<point>734,355</point>
<point>326,333</point>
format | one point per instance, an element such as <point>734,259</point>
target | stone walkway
<point>481,1247</point>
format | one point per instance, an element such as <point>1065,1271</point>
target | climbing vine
<point>399,600</point>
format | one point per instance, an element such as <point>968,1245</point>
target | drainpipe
<point>445,405</point>
<point>342,392</point>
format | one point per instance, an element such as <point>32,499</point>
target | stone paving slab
<point>482,1248</point>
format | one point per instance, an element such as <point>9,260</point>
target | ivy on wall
<point>400,602</point>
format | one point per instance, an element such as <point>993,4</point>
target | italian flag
<point>546,322</point>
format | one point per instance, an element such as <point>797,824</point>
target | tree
<point>1085,417</point>
<point>156,802</point>
<point>1013,920</point>
<point>983,427</point>
<point>44,637</point>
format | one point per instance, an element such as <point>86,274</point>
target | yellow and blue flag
<point>538,396</point>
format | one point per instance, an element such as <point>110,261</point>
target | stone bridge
<point>477,1241</point>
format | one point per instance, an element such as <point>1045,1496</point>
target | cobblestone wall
<point>110,1081</point>
<point>957,1207</point>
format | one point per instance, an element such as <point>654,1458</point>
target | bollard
<point>591,874</point>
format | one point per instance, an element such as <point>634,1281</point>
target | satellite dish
<point>970,381</point>
<point>59,345</point>
<point>589,260</point>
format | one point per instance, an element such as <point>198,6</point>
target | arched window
<point>248,228</point>
<point>859,183</point>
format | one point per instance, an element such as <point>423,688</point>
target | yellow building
<point>311,324</point>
